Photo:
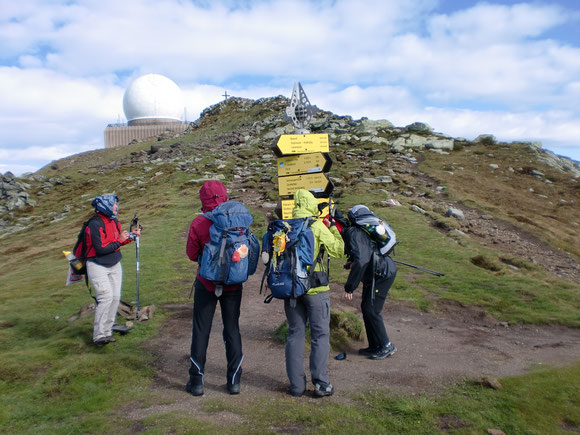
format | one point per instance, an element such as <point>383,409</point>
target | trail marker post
<point>303,158</point>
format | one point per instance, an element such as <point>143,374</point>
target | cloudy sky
<point>509,68</point>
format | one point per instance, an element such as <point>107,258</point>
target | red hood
<point>212,193</point>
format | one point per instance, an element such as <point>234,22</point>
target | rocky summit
<point>471,188</point>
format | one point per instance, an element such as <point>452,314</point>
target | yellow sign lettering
<point>316,183</point>
<point>302,144</point>
<point>303,164</point>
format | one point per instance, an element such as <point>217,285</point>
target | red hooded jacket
<point>212,193</point>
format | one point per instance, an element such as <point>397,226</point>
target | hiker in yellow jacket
<point>313,306</point>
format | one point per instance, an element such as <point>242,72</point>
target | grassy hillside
<point>53,381</point>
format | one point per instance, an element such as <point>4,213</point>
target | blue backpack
<point>232,253</point>
<point>289,245</point>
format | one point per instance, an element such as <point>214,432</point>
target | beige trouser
<point>106,281</point>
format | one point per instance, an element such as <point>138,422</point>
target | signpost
<point>317,183</point>
<point>301,144</point>
<point>304,164</point>
<point>303,158</point>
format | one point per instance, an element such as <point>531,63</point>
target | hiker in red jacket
<point>205,300</point>
<point>104,239</point>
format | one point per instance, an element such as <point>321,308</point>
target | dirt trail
<point>434,349</point>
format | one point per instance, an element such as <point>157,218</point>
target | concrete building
<point>153,105</point>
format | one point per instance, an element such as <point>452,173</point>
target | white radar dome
<point>152,99</point>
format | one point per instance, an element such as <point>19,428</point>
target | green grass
<point>526,295</point>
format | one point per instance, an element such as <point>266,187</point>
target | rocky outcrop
<point>14,193</point>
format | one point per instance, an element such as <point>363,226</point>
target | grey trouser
<point>315,308</point>
<point>106,281</point>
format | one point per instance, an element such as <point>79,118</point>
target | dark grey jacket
<point>366,262</point>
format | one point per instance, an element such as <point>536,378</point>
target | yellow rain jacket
<point>306,205</point>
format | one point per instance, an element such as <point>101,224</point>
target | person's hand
<point>347,265</point>
<point>123,236</point>
<point>136,231</point>
<point>327,221</point>
<point>348,296</point>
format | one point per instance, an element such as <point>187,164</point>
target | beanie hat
<point>104,204</point>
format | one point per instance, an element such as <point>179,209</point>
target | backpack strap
<point>293,260</point>
<point>373,272</point>
<point>89,288</point>
<point>84,253</point>
<point>222,251</point>
<point>264,276</point>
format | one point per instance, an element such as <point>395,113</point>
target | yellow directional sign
<point>304,164</point>
<point>288,206</point>
<point>301,144</point>
<point>316,183</point>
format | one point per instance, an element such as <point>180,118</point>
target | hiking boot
<point>296,393</point>
<point>194,390</point>
<point>322,389</point>
<point>234,388</point>
<point>368,351</point>
<point>384,352</point>
<point>101,341</point>
<point>110,339</point>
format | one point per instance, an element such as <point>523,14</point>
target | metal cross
<point>300,109</point>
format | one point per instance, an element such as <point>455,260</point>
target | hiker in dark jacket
<point>104,239</point>
<point>377,273</point>
<point>205,299</point>
<point>314,306</point>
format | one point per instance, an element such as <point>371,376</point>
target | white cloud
<point>485,68</point>
<point>486,24</point>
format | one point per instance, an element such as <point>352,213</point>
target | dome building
<point>153,105</point>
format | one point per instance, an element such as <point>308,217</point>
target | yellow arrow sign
<point>288,206</point>
<point>302,144</point>
<point>304,164</point>
<point>316,183</point>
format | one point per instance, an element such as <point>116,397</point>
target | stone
<point>8,177</point>
<point>420,127</point>
<point>485,138</point>
<point>495,432</point>
<point>418,209</point>
<point>269,205</point>
<point>391,203</point>
<point>369,126</point>
<point>455,212</point>
<point>490,382</point>
<point>439,143</point>
<point>370,180</point>
<point>493,166</point>
<point>379,140</point>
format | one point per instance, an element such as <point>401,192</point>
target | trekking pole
<point>137,240</point>
<point>419,268</point>
<point>135,223</point>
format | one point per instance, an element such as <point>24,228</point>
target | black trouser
<point>204,304</point>
<point>371,311</point>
